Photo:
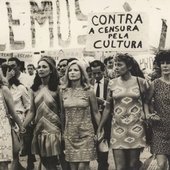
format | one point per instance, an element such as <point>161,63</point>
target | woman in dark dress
<point>160,93</point>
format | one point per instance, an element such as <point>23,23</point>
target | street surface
<point>145,154</point>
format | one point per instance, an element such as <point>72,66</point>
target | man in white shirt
<point>30,75</point>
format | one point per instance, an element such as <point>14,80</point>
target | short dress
<point>6,153</point>
<point>46,140</point>
<point>161,130</point>
<point>127,130</point>
<point>79,133</point>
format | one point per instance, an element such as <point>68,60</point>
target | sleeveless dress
<point>6,153</point>
<point>161,129</point>
<point>47,133</point>
<point>79,132</point>
<point>127,130</point>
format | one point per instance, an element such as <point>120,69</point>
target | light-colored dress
<point>47,133</point>
<point>79,132</point>
<point>5,133</point>
<point>21,100</point>
<point>127,130</point>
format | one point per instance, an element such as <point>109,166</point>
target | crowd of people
<point>70,114</point>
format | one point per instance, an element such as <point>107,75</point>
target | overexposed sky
<point>156,10</point>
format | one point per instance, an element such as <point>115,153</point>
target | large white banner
<point>36,25</point>
<point>117,32</point>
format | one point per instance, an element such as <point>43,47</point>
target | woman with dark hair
<point>20,97</point>
<point>6,111</point>
<point>79,102</point>
<point>124,100</point>
<point>160,93</point>
<point>45,110</point>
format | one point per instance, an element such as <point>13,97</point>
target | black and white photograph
<point>84,85</point>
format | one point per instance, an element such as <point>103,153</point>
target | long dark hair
<point>130,62</point>
<point>14,80</point>
<point>54,78</point>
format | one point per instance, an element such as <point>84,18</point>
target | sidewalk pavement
<point>144,155</point>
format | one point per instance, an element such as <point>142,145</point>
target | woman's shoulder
<point>144,83</point>
<point>112,82</point>
<point>5,90</point>
<point>63,89</point>
<point>142,80</point>
<point>22,88</point>
<point>157,80</point>
<point>90,89</point>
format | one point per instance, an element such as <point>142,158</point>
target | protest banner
<point>35,25</point>
<point>117,32</point>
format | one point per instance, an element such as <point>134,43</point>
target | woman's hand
<point>22,130</point>
<point>10,74</point>
<point>154,117</point>
<point>100,134</point>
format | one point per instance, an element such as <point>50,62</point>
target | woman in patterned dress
<point>79,102</point>
<point>127,132</point>
<point>45,109</point>
<point>6,107</point>
<point>160,93</point>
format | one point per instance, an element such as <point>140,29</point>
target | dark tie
<point>98,89</point>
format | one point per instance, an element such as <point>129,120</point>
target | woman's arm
<point>62,113</point>
<point>107,110</point>
<point>25,98</point>
<point>10,105</point>
<point>31,113</point>
<point>148,104</point>
<point>105,116</point>
<point>94,107</point>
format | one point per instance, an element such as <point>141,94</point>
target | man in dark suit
<point>100,88</point>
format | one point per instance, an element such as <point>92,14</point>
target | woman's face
<point>165,67</point>
<point>120,68</point>
<point>43,69</point>
<point>74,72</point>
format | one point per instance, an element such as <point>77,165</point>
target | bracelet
<point>23,131</point>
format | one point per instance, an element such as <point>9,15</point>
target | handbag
<point>151,164</point>
<point>16,142</point>
<point>147,123</point>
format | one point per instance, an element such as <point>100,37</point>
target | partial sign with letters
<point>117,32</point>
